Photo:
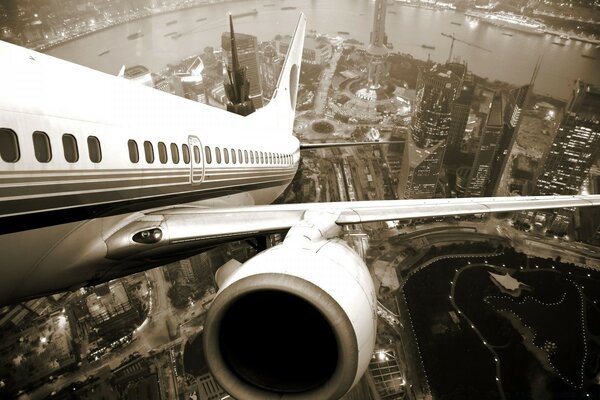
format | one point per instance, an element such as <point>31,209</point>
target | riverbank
<point>47,46</point>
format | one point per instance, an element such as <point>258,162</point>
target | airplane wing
<point>185,226</point>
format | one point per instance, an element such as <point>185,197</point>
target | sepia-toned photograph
<point>300,199</point>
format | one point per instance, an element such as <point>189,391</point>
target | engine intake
<point>293,323</point>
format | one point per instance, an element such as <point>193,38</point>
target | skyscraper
<point>460,116</point>
<point>488,146</point>
<point>270,68</point>
<point>576,144</point>
<point>575,147</point>
<point>436,91</point>
<point>516,100</point>
<point>247,46</point>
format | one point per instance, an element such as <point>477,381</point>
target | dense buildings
<point>247,46</point>
<point>436,90</point>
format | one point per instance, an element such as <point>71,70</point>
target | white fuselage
<point>84,151</point>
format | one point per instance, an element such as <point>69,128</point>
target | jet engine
<point>297,321</point>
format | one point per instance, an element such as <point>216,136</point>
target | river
<point>512,58</point>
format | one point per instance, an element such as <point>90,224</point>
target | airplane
<point>101,177</point>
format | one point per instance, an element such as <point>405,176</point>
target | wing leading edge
<point>187,226</point>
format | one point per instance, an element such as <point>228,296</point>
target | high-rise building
<point>516,100</point>
<point>460,116</point>
<point>270,68</point>
<point>569,159</point>
<point>436,90</point>
<point>488,146</point>
<point>247,47</point>
<point>575,146</point>
<point>513,108</point>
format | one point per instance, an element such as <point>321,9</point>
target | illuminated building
<point>575,147</point>
<point>576,144</point>
<point>436,90</point>
<point>247,46</point>
<point>488,146</point>
<point>387,375</point>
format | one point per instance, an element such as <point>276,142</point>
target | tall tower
<point>488,146</point>
<point>575,147</point>
<point>513,110</point>
<point>377,49</point>
<point>247,51</point>
<point>576,144</point>
<point>436,90</point>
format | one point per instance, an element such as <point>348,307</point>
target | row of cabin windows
<point>10,151</point>
<point>225,156</point>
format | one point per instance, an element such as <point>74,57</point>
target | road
<point>151,335</point>
<point>325,82</point>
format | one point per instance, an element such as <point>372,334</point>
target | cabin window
<point>240,156</point>
<point>256,157</point>
<point>9,145</point>
<point>218,155</point>
<point>134,155</point>
<point>174,153</point>
<point>226,155</point>
<point>41,147</point>
<point>207,155</point>
<point>94,149</point>
<point>270,158</point>
<point>162,153</point>
<point>262,158</point>
<point>70,148</point>
<point>245,156</point>
<point>149,152</point>
<point>197,154</point>
<point>233,156</point>
<point>185,151</point>
<point>251,157</point>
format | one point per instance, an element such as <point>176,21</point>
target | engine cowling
<point>294,322</point>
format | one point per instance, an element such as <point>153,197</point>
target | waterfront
<point>512,58</point>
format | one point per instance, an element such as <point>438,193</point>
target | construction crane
<point>461,41</point>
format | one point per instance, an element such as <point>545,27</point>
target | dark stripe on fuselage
<point>33,220</point>
<point>57,189</point>
<point>88,176</point>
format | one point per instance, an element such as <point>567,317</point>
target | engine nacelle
<point>297,321</point>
